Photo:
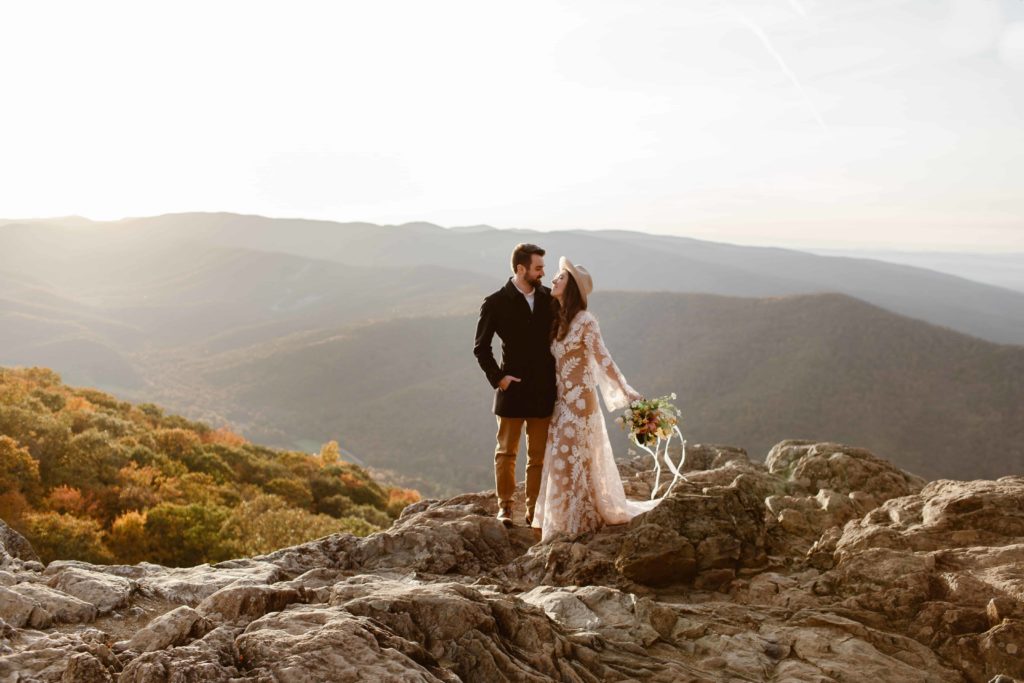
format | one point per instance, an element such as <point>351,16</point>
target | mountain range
<point>298,332</point>
<point>746,370</point>
<point>624,260</point>
<point>999,269</point>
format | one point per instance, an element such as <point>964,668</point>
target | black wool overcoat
<point>525,351</point>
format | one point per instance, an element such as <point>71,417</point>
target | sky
<point>830,123</point>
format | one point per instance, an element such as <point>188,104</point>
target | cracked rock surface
<point>824,563</point>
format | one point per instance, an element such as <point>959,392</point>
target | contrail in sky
<point>763,37</point>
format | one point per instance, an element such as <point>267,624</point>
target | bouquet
<point>651,424</point>
<point>650,421</point>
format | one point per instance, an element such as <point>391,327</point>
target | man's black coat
<point>525,351</point>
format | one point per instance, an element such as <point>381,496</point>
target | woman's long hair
<point>573,303</point>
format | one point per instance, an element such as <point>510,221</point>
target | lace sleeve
<point>616,391</point>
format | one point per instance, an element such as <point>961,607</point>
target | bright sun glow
<point>824,123</point>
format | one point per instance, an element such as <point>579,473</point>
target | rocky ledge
<point>825,563</point>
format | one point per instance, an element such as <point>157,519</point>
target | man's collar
<point>513,281</point>
<point>512,292</point>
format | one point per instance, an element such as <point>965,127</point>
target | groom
<point>520,314</point>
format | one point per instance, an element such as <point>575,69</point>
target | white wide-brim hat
<point>580,274</point>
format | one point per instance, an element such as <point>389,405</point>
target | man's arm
<point>485,328</point>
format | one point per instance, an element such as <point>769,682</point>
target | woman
<point>580,487</point>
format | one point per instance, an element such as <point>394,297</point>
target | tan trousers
<point>509,431</point>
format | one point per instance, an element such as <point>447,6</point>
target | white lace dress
<point>580,488</point>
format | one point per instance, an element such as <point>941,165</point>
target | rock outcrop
<point>825,563</point>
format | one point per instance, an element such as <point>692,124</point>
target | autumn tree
<point>330,453</point>
<point>55,536</point>
<point>267,523</point>
<point>86,476</point>
<point>140,486</point>
<point>186,535</point>
<point>19,471</point>
<point>128,539</point>
<point>296,493</point>
<point>67,500</point>
<point>399,499</point>
<point>91,460</point>
<point>335,505</point>
<point>176,443</point>
<point>223,436</point>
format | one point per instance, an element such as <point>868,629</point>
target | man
<point>520,314</point>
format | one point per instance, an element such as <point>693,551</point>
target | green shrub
<point>296,493</point>
<point>339,505</point>
<point>376,517</point>
<point>65,537</point>
<point>186,535</point>
<point>268,523</point>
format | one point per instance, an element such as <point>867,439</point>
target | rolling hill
<point>620,260</point>
<point>87,476</point>
<point>407,395</point>
<point>999,269</point>
<point>297,332</point>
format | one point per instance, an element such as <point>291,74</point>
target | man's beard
<point>534,282</point>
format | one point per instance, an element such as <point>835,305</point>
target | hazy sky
<point>792,122</point>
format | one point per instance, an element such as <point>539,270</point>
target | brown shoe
<point>505,516</point>
<point>529,519</point>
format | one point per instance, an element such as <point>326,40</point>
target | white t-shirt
<point>529,297</point>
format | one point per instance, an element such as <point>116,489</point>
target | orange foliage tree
<point>223,436</point>
<point>127,537</point>
<point>67,500</point>
<point>177,442</point>
<point>86,476</point>
<point>56,536</point>
<point>399,499</point>
<point>19,471</point>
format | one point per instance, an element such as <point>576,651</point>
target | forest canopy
<point>85,476</point>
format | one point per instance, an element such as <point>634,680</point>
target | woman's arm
<point>616,391</point>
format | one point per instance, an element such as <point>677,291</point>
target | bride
<point>580,487</point>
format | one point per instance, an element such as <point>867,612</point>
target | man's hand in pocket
<point>506,382</point>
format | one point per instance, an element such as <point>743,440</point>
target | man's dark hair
<point>522,255</point>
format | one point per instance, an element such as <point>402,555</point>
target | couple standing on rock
<point>553,363</point>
